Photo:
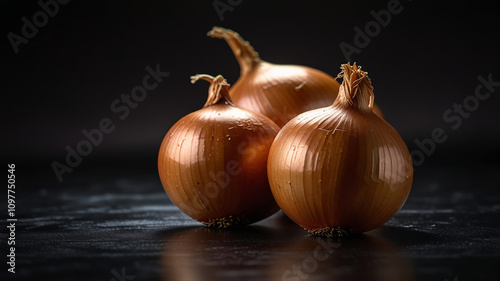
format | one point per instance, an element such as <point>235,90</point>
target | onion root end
<point>335,232</point>
<point>227,222</point>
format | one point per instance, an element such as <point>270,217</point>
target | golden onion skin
<point>280,92</point>
<point>340,169</point>
<point>212,164</point>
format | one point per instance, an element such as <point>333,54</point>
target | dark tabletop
<point>122,226</point>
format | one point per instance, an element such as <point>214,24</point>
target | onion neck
<point>218,93</point>
<point>356,90</point>
<point>247,57</point>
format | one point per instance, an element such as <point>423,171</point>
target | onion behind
<point>280,92</point>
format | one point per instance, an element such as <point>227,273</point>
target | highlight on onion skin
<point>212,162</point>
<point>340,169</point>
<point>280,92</point>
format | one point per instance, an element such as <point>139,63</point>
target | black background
<point>65,78</point>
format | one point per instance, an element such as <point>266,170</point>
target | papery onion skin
<point>212,164</point>
<point>280,92</point>
<point>340,169</point>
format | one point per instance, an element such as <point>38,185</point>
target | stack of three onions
<point>333,170</point>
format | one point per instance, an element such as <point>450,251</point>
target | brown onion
<point>212,162</point>
<point>340,169</point>
<point>280,92</point>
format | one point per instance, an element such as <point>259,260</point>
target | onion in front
<point>212,162</point>
<point>341,169</point>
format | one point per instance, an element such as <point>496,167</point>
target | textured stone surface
<point>123,227</point>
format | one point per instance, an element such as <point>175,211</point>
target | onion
<point>212,162</point>
<point>340,169</point>
<point>280,92</point>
